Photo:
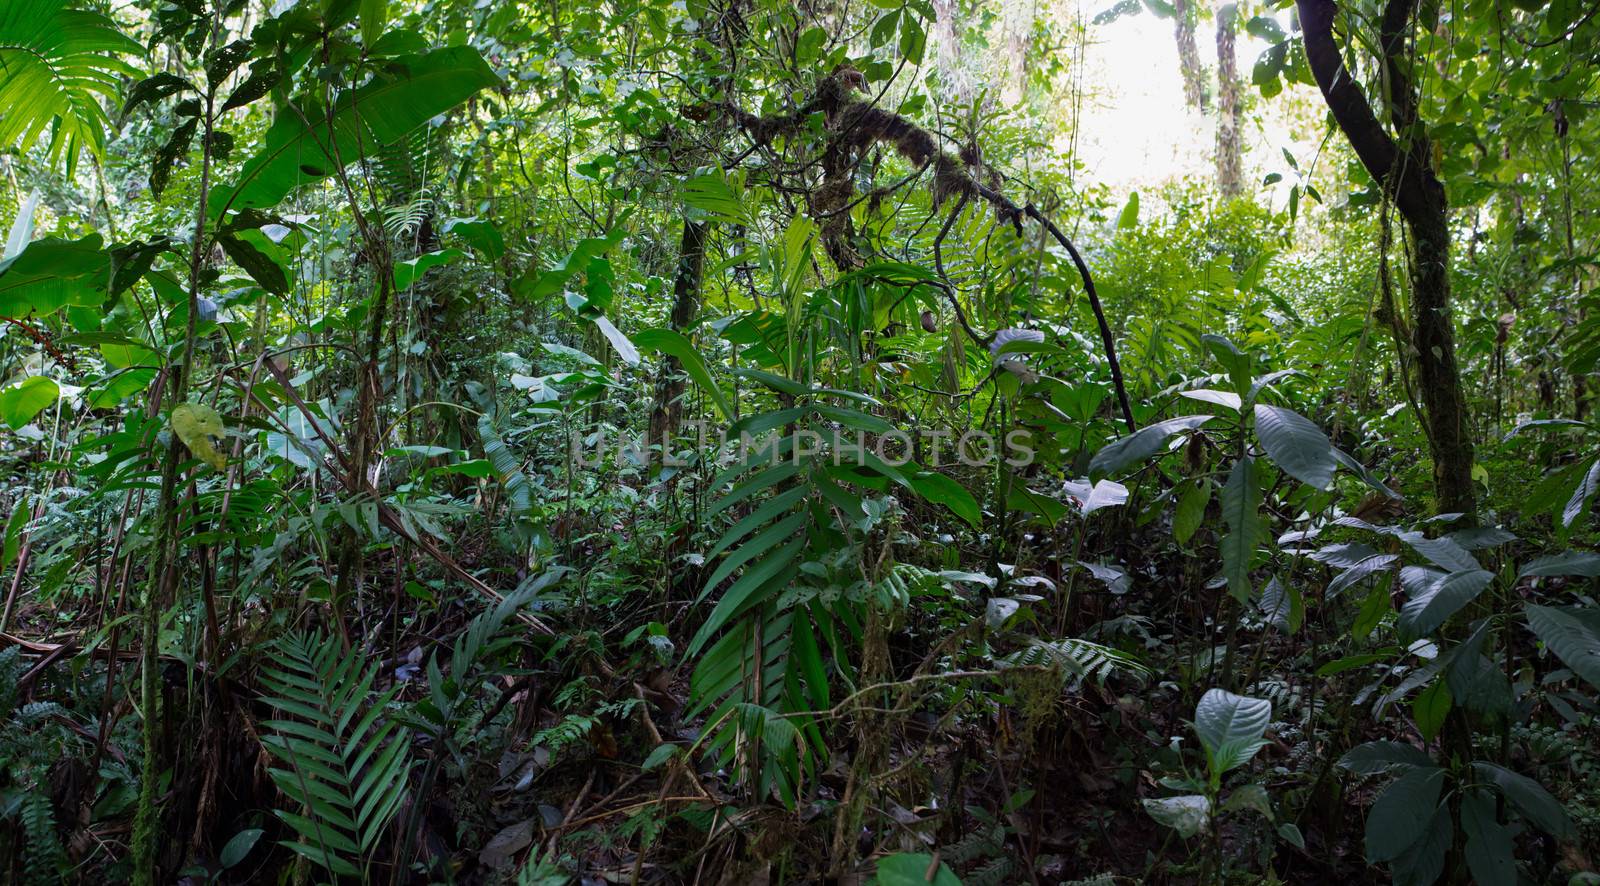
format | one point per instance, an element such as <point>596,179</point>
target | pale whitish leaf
<point>1359,572</point>
<point>1441,552</point>
<point>1403,812</point>
<point>624,348</point>
<point>1295,444</point>
<point>1221,398</point>
<point>1007,336</point>
<point>1282,606</point>
<point>1103,494</point>
<point>1573,637</point>
<point>1187,815</point>
<point>1116,580</point>
<point>1231,727</point>
<point>999,610</point>
<point>1581,495</point>
<point>1343,555</point>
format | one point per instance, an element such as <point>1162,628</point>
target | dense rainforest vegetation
<point>739,441</point>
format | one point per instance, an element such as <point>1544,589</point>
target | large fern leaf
<point>347,763</point>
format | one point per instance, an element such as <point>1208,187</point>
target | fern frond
<point>347,771</point>
<point>1079,659</point>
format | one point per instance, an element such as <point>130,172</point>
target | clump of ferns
<point>1044,672</point>
<point>32,740</point>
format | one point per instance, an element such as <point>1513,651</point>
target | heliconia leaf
<point>21,401</point>
<point>307,144</point>
<point>1296,445</point>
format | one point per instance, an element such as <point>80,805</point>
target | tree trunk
<point>1405,169</point>
<point>686,285</point>
<point>1230,106</point>
<point>1194,78</point>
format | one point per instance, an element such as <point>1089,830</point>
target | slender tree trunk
<point>686,287</point>
<point>1194,77</point>
<point>1230,106</point>
<point>1406,171</point>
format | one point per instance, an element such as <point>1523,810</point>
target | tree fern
<point>346,770</point>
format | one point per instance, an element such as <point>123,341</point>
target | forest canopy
<point>848,441</point>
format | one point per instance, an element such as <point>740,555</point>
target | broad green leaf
<point>1573,635</point>
<point>940,489</point>
<point>1438,600</point>
<point>52,273</point>
<point>914,869</point>
<point>307,143</point>
<point>1430,708</point>
<point>21,401</point>
<point>1141,444</point>
<point>536,286</point>
<point>195,424</point>
<point>1295,444</point>
<point>1530,798</point>
<point>1241,508</point>
<point>1376,757</point>
<point>1403,813</point>
<point>1585,564</point>
<point>1191,510</point>
<point>1230,728</point>
<point>410,271</point>
<point>1490,856</point>
<point>673,344</point>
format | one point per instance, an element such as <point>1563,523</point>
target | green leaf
<point>1141,444</point>
<point>1585,564</point>
<point>1573,635</point>
<point>1230,728</point>
<point>1530,798</point>
<point>262,259</point>
<point>374,15</point>
<point>940,489</point>
<point>1128,218</point>
<point>21,401</point>
<point>1430,708</point>
<point>1191,510</point>
<point>238,847</point>
<point>541,285</point>
<point>914,869</point>
<point>1403,813</point>
<point>408,272</point>
<point>304,149</point>
<point>1439,599</point>
<point>1489,852</point>
<point>1376,757</point>
<point>1296,445</point>
<point>51,273</point>
<point>1241,508</point>
<point>675,345</point>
